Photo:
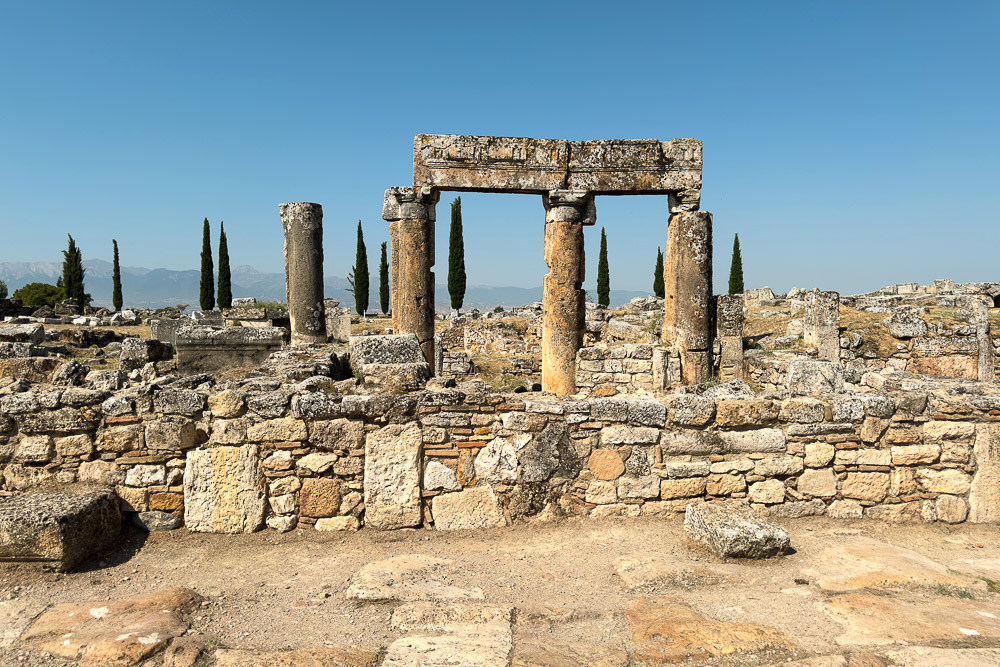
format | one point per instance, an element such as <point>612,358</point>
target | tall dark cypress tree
<point>361,282</point>
<point>73,273</point>
<point>116,281</point>
<point>456,257</point>
<point>207,296</point>
<point>225,276</point>
<point>383,281</point>
<point>736,269</point>
<point>658,288</point>
<point>603,277</point>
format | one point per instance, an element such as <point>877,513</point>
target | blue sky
<point>850,144</point>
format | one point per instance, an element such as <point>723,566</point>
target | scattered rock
<point>731,530</point>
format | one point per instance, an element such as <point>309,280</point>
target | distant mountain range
<point>156,288</point>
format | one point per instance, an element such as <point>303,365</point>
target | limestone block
<point>471,508</point>
<point>58,530</point>
<point>778,466</point>
<point>145,475</point>
<point>169,432</point>
<point>845,509</point>
<point>338,523</point>
<point>950,481</point>
<point>745,412</point>
<point>679,469</point>
<point>178,402</point>
<point>803,411</point>
<point>228,431</point>
<point>224,490</point>
<point>905,324</point>
<point>392,477</point>
<point>819,454</point>
<point>951,509</point>
<point>226,404</point>
<point>33,449</point>
<point>683,488</point>
<point>498,461</point>
<point>725,485</point>
<point>286,429</point>
<point>601,492</point>
<point>439,477</point>
<point>759,440</point>
<point>629,435</point>
<point>22,333</point>
<point>606,464</point>
<point>75,445</point>
<point>691,442</point>
<point>645,486</point>
<point>731,530</point>
<point>331,434</point>
<point>690,410</point>
<point>815,377</point>
<point>866,485</point>
<point>984,495</point>
<point>100,473</point>
<point>319,497</point>
<point>915,454</point>
<point>769,491</point>
<point>394,349</point>
<point>821,483</point>
<point>317,462</point>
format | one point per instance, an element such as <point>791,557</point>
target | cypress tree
<point>603,279</point>
<point>225,276</point>
<point>73,272</point>
<point>383,281</point>
<point>658,288</point>
<point>456,257</point>
<point>736,269</point>
<point>206,298</point>
<point>116,281</point>
<point>361,283</point>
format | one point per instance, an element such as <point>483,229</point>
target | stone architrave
<point>525,165</point>
<point>224,490</point>
<point>411,215</point>
<point>303,225</point>
<point>729,328</point>
<point>392,477</point>
<point>563,309</point>
<point>821,323</point>
<point>687,277</point>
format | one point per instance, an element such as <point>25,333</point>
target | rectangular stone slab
<point>525,165</point>
<point>58,529</point>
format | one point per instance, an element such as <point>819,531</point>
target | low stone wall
<point>456,364</point>
<point>606,371</point>
<point>262,453</point>
<point>498,338</point>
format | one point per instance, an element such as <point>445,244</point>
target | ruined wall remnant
<point>303,225</point>
<point>687,277</point>
<point>821,323</point>
<point>729,332</point>
<point>411,215</point>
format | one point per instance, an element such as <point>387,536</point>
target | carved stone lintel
<point>406,203</point>
<point>570,206</point>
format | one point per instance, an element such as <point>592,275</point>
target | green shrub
<point>40,294</point>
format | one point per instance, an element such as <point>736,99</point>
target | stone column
<point>563,310</point>
<point>303,225</point>
<point>729,331</point>
<point>411,216</point>
<point>979,316</point>
<point>687,278</point>
<point>821,323</point>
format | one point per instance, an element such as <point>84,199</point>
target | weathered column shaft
<point>411,216</point>
<point>821,323</point>
<point>687,279</point>
<point>563,310</point>
<point>980,305</point>
<point>393,273</point>
<point>303,225</point>
<point>729,332</point>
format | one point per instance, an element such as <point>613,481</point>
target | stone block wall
<point>606,371</point>
<point>282,456</point>
<point>457,364</point>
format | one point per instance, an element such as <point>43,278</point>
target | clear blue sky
<point>851,144</point>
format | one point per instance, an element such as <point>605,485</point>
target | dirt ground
<point>569,582</point>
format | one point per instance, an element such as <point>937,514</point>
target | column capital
<point>684,200</point>
<point>407,203</point>
<point>570,206</point>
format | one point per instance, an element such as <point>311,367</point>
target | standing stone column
<point>303,225</point>
<point>563,310</point>
<point>729,330</point>
<point>979,307</point>
<point>687,279</point>
<point>411,216</point>
<point>821,323</point>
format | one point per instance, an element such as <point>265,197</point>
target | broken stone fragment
<point>732,530</point>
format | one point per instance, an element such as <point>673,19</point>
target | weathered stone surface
<point>333,434</point>
<point>202,349</point>
<point>498,461</point>
<point>732,530</point>
<point>642,486</point>
<point>410,577</point>
<point>338,523</point>
<point>224,490</point>
<point>286,429</point>
<point>302,223</point>
<point>394,349</point>
<point>819,454</point>
<point>178,402</point>
<point>904,324</point>
<point>769,491</point>
<point>226,404</point>
<point>984,494</point>
<point>22,333</point>
<point>690,410</point>
<point>821,483</point>
<point>439,477</point>
<point>745,412</point>
<point>667,630</point>
<point>392,477</point>
<point>33,449</point>
<point>687,275</point>
<point>137,352</point>
<point>691,442</point>
<point>951,509</point>
<point>156,520</point>
<point>683,488</point>
<point>820,324</point>
<point>778,466</point>
<point>758,440</point>
<point>303,657</point>
<point>145,475</point>
<point>915,454</point>
<point>476,645</point>
<point>319,497</point>
<point>317,462</point>
<point>866,485</point>
<point>117,632</point>
<point>600,492</point>
<point>169,432</point>
<point>56,529</point>
<point>950,481</point>
<point>815,377</point>
<point>471,508</point>
<point>606,464</point>
<point>725,485</point>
